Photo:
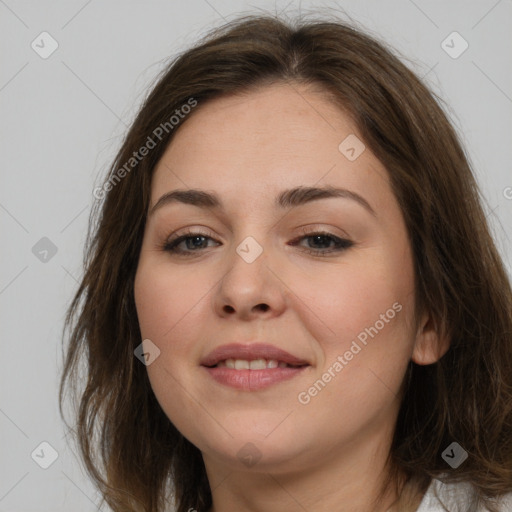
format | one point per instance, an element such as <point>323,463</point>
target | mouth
<point>255,364</point>
<point>252,367</point>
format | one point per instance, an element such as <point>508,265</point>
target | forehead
<point>259,143</point>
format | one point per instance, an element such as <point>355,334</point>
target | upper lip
<point>250,352</point>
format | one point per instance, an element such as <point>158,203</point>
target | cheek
<point>363,314</point>
<point>165,298</point>
<point>340,303</point>
<point>368,309</point>
<point>167,304</point>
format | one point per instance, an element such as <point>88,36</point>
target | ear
<point>431,342</point>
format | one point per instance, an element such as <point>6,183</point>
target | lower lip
<point>252,380</point>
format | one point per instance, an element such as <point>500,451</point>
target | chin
<point>274,450</point>
<point>254,456</point>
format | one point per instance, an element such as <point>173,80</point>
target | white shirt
<point>456,497</point>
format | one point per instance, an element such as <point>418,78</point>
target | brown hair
<point>130,448</point>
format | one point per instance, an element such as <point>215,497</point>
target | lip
<point>252,380</point>
<point>250,352</point>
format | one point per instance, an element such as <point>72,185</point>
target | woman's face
<point>253,282</point>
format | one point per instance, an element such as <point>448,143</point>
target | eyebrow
<point>286,199</point>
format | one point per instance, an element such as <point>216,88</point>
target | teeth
<point>240,364</point>
<point>256,364</point>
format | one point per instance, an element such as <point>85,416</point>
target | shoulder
<point>456,497</point>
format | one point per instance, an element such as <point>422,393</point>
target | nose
<point>250,289</point>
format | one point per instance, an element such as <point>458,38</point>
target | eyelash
<point>341,243</point>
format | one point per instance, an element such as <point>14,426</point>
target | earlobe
<point>431,342</point>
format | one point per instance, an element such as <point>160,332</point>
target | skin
<point>332,450</point>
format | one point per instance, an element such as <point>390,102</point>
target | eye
<point>192,240</point>
<point>319,243</point>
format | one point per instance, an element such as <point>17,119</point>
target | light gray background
<point>62,119</point>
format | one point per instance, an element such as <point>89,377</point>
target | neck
<point>348,479</point>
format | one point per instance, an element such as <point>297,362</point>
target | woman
<point>291,298</point>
